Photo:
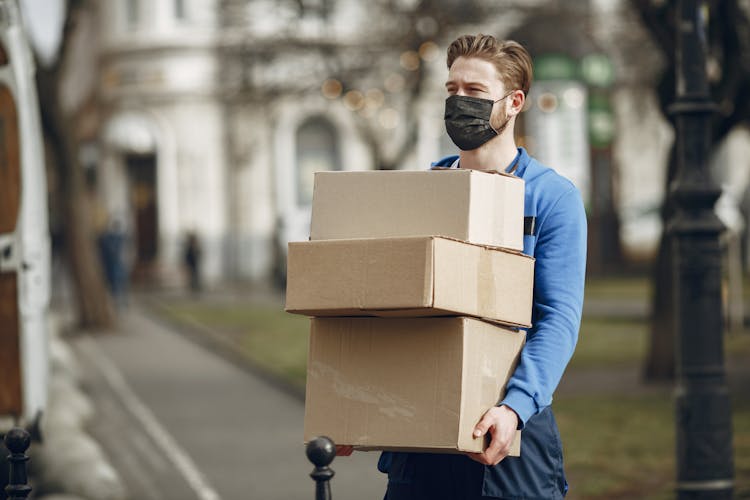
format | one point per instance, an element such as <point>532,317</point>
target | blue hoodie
<point>558,244</point>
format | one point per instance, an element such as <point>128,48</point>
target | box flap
<point>510,215</point>
<point>491,356</point>
<point>484,282</point>
<point>500,201</point>
<point>485,171</point>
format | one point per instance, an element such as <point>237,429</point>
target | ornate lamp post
<point>703,414</point>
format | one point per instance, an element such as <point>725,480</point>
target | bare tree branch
<point>659,21</point>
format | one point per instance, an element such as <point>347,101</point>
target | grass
<point>627,288</point>
<point>603,343</point>
<point>617,446</point>
<point>622,447</point>
<point>614,445</point>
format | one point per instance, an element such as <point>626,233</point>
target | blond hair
<point>510,58</point>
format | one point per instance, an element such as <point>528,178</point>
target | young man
<point>488,81</point>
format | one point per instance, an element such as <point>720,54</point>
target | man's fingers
<point>344,450</point>
<point>479,457</point>
<point>486,458</point>
<point>483,426</point>
<point>497,423</point>
<point>495,447</point>
<point>496,451</point>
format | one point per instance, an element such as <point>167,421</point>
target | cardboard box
<point>479,207</point>
<point>417,384</point>
<point>420,276</point>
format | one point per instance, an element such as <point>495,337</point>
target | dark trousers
<point>536,474</point>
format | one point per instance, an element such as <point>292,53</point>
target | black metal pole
<point>17,441</point>
<point>321,451</point>
<point>703,413</point>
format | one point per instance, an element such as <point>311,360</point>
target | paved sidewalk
<point>179,421</point>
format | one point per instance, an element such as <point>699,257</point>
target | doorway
<point>141,171</point>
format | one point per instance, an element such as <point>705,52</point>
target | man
<point>488,81</point>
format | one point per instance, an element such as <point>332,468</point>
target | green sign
<point>601,120</point>
<point>555,67</point>
<point>597,70</point>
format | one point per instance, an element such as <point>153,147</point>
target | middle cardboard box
<point>411,276</point>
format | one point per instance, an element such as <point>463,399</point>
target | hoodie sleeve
<point>558,301</point>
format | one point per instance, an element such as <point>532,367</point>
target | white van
<point>24,233</point>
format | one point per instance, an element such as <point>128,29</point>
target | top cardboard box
<point>484,208</point>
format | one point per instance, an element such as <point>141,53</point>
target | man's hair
<point>512,61</point>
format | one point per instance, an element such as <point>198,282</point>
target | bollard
<point>321,452</point>
<point>17,441</point>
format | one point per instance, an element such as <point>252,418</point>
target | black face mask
<point>467,121</point>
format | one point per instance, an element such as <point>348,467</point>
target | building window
<point>319,8</point>
<point>179,10</point>
<point>132,13</point>
<point>317,150</point>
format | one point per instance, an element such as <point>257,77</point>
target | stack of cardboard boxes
<point>415,281</point>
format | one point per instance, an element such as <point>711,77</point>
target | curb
<point>68,464</point>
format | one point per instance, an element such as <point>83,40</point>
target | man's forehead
<point>473,70</point>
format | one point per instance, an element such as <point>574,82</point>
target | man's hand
<point>501,422</point>
<point>344,450</point>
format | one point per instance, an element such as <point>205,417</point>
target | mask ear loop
<point>506,123</point>
<point>514,167</point>
<point>503,97</point>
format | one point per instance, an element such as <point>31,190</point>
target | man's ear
<point>517,102</point>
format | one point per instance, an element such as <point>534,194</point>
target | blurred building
<point>162,157</point>
<point>214,113</point>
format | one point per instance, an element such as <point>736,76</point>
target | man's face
<point>474,77</point>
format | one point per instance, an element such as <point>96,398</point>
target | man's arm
<point>559,276</point>
<point>558,301</point>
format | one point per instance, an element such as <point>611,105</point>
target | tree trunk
<point>93,301</point>
<point>94,306</point>
<point>660,359</point>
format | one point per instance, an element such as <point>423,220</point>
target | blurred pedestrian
<point>112,252</point>
<point>192,260</point>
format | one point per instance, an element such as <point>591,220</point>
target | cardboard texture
<point>479,207</point>
<point>418,384</point>
<point>421,276</point>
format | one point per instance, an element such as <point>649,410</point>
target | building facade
<point>215,113</point>
<point>161,155</point>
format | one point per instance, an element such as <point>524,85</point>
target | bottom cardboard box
<point>410,384</point>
